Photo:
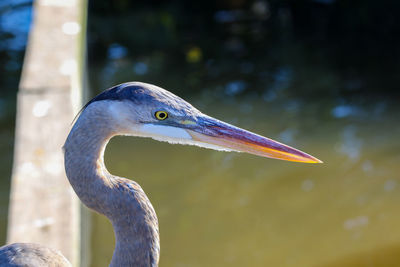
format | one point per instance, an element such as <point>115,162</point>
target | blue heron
<point>140,109</point>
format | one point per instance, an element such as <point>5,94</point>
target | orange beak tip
<point>223,135</point>
<point>315,161</point>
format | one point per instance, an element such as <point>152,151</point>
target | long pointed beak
<point>211,131</point>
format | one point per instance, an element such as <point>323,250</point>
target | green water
<point>233,209</point>
<point>317,75</point>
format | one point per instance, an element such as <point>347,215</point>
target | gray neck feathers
<point>121,200</point>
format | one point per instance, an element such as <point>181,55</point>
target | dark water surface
<point>317,75</point>
<point>15,18</point>
<point>233,209</point>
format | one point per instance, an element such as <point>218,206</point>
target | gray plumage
<point>121,110</point>
<point>131,109</point>
<point>31,255</point>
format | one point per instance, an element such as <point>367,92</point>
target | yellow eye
<point>161,115</point>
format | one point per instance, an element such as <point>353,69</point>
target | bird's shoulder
<point>32,255</point>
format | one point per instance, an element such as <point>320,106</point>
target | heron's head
<point>146,110</point>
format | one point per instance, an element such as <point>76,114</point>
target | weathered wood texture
<point>43,206</point>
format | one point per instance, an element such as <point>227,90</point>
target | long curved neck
<point>121,200</point>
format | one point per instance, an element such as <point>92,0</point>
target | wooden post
<point>43,207</point>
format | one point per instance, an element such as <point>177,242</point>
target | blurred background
<point>319,75</point>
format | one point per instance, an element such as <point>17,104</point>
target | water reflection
<point>351,145</point>
<point>140,68</point>
<point>239,210</point>
<point>285,79</point>
<point>235,87</point>
<point>116,51</point>
<point>15,18</point>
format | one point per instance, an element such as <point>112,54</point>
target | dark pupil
<point>161,115</point>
